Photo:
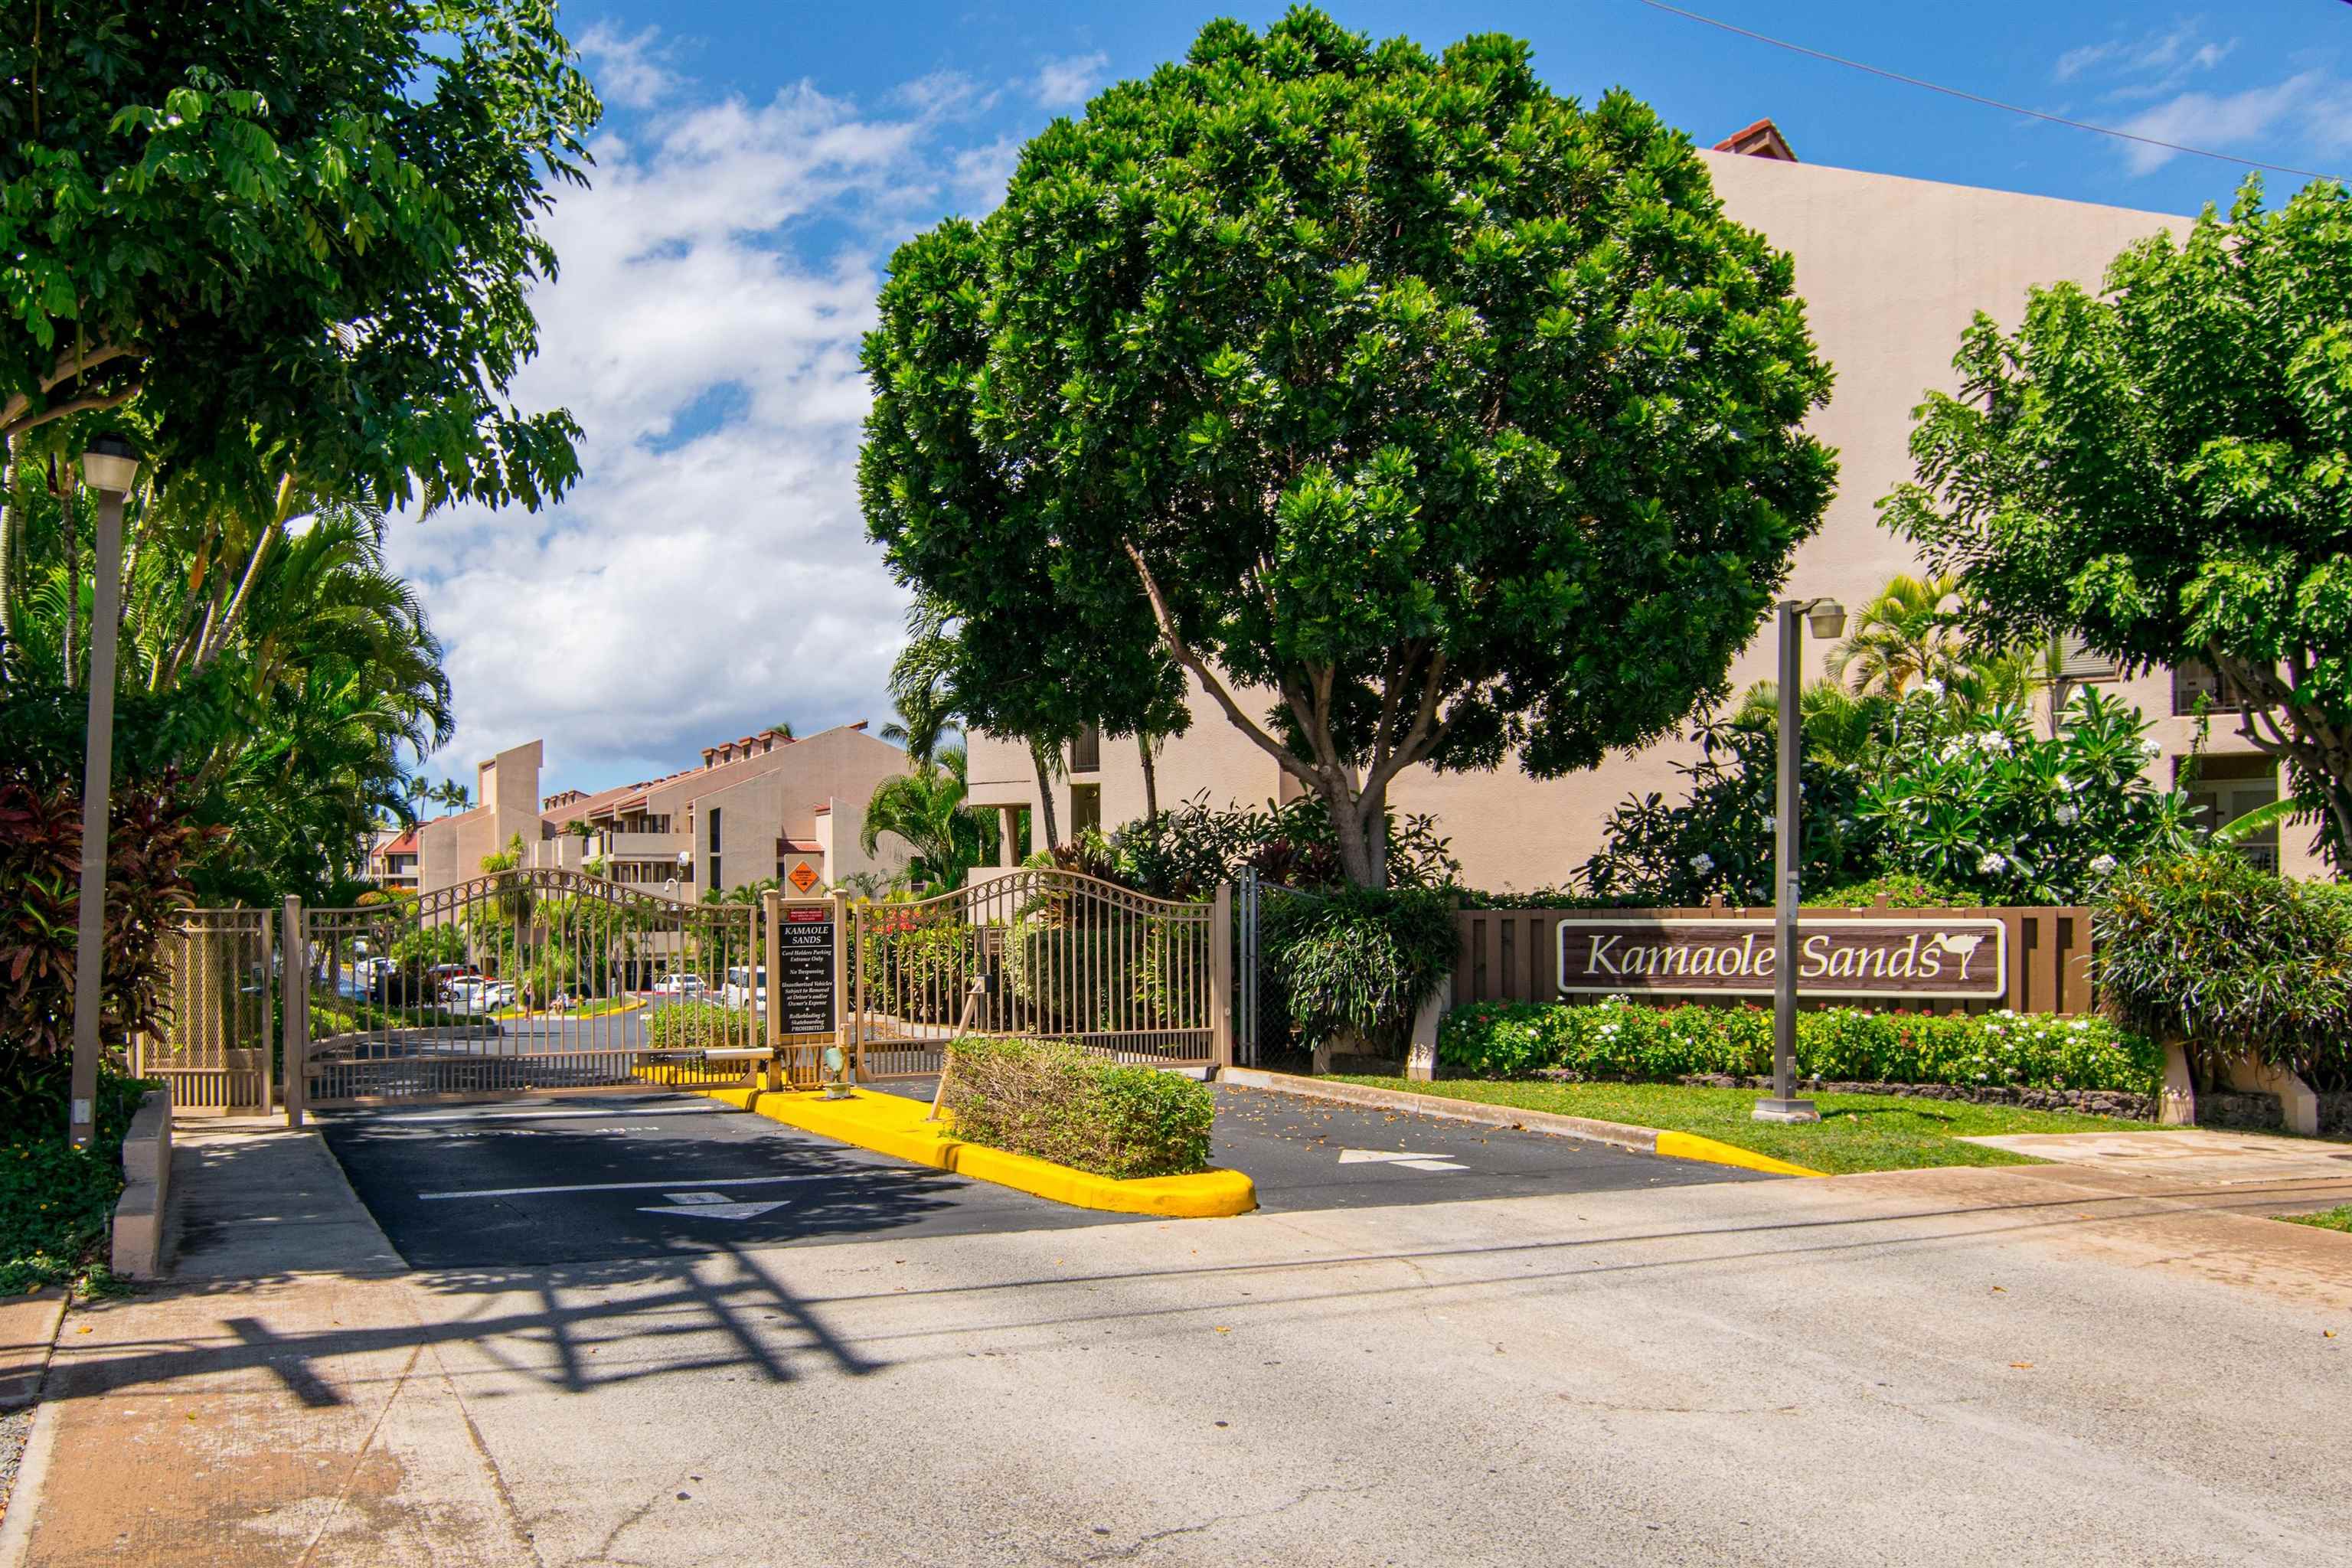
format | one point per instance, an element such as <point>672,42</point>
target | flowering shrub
<point>1982,805</point>
<point>1620,1040</point>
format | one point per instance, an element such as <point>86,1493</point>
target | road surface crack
<point>1119,1554</point>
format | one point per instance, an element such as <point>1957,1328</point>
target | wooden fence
<point>1513,955</point>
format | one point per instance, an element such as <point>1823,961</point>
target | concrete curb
<point>32,1479</point>
<point>1665,1145</point>
<point>895,1125</point>
<point>140,1213</point>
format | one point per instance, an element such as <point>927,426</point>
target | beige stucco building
<point>1891,270</point>
<point>758,806</point>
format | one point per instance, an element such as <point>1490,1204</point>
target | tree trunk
<point>1045,795</point>
<point>1360,828</point>
<point>12,547</point>
<point>1150,778</point>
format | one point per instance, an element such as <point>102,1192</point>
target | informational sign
<point>804,952</point>
<point>802,876</point>
<point>1892,959</point>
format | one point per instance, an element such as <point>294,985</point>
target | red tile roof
<point>1761,139</point>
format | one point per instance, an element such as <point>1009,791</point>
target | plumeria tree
<point>2163,467</point>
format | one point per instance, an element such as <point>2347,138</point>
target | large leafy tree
<point>300,235</point>
<point>2166,467</point>
<point>1449,419</point>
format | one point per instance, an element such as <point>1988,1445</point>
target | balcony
<point>637,845</point>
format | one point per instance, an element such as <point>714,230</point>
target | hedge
<point>1618,1039</point>
<point>1058,1101</point>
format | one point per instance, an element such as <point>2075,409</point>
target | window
<point>1085,750</point>
<point>2224,789</point>
<point>714,830</point>
<point>2192,681</point>
<point>1086,809</point>
<point>2077,662</point>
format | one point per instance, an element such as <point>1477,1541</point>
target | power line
<point>1988,102</point>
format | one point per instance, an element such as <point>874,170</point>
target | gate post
<point>294,1009</point>
<point>1221,977</point>
<point>772,955</point>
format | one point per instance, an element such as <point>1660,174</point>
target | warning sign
<point>804,876</point>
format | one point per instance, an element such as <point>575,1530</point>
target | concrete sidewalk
<point>2043,1365</point>
<point>279,1400</point>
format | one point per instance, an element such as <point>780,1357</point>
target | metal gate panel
<point>522,982</point>
<point>1054,954</point>
<point>214,1051</point>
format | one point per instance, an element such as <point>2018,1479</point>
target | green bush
<point>56,1202</point>
<point>1616,1039</point>
<point>1057,1102</point>
<point>1358,962</point>
<point>2227,958</point>
<point>689,1025</point>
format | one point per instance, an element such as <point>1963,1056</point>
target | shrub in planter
<point>1057,1101</point>
<point>2229,959</point>
<point>1616,1039</point>
<point>1355,965</point>
<point>689,1025</point>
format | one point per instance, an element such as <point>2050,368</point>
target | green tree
<point>1447,416</point>
<point>925,809</point>
<point>2163,466</point>
<point>300,236</point>
<point>1905,632</point>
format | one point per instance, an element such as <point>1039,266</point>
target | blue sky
<point>758,162</point>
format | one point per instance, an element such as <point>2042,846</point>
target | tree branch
<point>1182,652</point>
<point>16,425</point>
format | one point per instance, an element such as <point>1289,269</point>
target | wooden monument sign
<point>1889,960</point>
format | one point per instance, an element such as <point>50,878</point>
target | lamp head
<point>109,463</point>
<point>1826,618</point>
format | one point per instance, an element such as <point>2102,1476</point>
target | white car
<point>745,986</point>
<point>684,983</point>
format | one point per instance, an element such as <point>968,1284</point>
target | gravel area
<point>14,1427</point>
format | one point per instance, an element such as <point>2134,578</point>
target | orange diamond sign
<point>804,876</point>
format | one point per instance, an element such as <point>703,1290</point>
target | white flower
<point>2066,816</point>
<point>2103,865</point>
<point>1772,825</point>
<point>1992,865</point>
<point>2063,782</point>
<point>1995,742</point>
<point>2152,747</point>
<point>1702,863</point>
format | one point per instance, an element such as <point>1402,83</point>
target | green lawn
<point>2338,1218</point>
<point>1856,1132</point>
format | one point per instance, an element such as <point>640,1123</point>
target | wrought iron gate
<point>214,1050</point>
<point>1054,954</point>
<point>518,982</point>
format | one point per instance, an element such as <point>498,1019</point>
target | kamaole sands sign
<point>1735,957</point>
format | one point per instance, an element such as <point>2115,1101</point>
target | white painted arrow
<point>1391,1157</point>
<point>710,1205</point>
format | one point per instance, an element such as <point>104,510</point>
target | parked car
<point>746,987</point>
<point>680,982</point>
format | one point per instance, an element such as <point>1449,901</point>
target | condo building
<point>758,806</point>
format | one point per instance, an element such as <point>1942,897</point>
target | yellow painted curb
<point>1691,1146</point>
<point>895,1125</point>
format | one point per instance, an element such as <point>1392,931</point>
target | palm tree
<point>926,809</point>
<point>1839,727</point>
<point>1907,632</point>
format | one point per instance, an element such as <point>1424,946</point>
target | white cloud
<point>1069,81</point>
<point>2149,64</point>
<point>630,71</point>
<point>711,572</point>
<point>2311,105</point>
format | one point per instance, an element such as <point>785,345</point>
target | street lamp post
<point>108,466</point>
<point>1827,618</point>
